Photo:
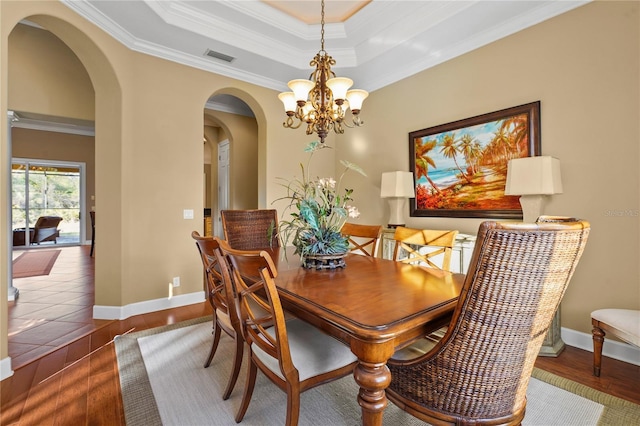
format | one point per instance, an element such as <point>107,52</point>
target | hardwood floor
<point>77,382</point>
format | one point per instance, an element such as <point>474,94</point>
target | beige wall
<point>582,66</point>
<point>46,76</point>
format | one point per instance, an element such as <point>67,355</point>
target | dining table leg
<point>373,379</point>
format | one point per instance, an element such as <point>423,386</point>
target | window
<point>40,188</point>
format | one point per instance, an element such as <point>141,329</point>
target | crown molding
<point>433,56</point>
<point>384,42</point>
<point>294,49</point>
<point>231,108</point>
<point>44,124</point>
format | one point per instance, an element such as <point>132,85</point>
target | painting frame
<point>477,189</point>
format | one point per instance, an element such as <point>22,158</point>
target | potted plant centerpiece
<point>318,208</point>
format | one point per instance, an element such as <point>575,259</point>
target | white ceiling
<point>373,42</point>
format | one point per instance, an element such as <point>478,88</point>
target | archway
<point>228,118</point>
<point>108,100</point>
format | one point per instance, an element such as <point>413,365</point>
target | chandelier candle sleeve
<point>322,101</point>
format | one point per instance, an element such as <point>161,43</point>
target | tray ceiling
<point>373,42</point>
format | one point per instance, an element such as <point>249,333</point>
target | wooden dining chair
<point>363,239</point>
<point>621,323</point>
<point>225,317</point>
<point>423,246</point>
<point>250,229</point>
<point>479,371</point>
<point>293,354</point>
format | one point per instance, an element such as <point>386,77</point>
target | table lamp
<point>534,179</point>
<point>397,187</point>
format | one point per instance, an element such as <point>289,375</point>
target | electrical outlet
<point>176,281</point>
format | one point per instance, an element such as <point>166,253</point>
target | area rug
<point>163,382</point>
<point>34,262</point>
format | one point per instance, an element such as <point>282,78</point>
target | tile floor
<point>52,310</point>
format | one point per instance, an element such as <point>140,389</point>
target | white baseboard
<point>611,348</point>
<point>5,368</point>
<point>124,312</point>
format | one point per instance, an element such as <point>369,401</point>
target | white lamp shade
<point>301,88</point>
<point>339,86</point>
<point>289,101</point>
<point>356,97</point>
<point>397,184</point>
<point>533,176</point>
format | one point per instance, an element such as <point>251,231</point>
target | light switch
<point>187,213</point>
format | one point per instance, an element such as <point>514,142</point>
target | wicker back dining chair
<point>363,239</point>
<point>479,371</point>
<point>422,246</point>
<point>293,354</point>
<point>225,317</point>
<point>250,229</point>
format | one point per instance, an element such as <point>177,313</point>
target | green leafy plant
<point>318,209</point>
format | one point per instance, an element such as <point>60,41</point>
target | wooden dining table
<point>373,305</point>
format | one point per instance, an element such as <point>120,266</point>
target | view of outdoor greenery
<point>46,191</point>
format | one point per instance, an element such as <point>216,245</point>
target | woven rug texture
<point>34,262</point>
<point>164,383</point>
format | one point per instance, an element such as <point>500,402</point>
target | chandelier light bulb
<point>338,110</point>
<point>308,113</point>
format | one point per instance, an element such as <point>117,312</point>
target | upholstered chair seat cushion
<point>312,351</point>
<point>223,317</point>
<point>625,321</point>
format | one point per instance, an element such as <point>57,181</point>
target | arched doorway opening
<point>231,144</point>
<point>105,105</point>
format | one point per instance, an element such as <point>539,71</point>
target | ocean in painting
<point>443,178</point>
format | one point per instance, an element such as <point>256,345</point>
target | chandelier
<point>322,100</point>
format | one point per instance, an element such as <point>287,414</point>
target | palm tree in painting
<point>450,150</point>
<point>468,147</point>
<point>518,129</point>
<point>502,141</point>
<point>476,154</point>
<point>423,161</point>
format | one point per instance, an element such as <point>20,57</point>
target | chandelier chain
<point>322,27</point>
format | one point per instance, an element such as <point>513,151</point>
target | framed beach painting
<point>460,168</point>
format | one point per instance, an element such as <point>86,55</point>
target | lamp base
<point>532,206</point>
<point>393,226</point>
<point>396,212</point>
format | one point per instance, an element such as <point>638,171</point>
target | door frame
<point>81,166</point>
<point>224,162</point>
